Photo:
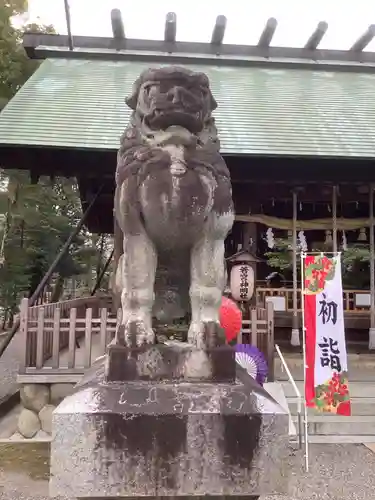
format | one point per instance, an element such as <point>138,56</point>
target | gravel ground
<point>338,472</point>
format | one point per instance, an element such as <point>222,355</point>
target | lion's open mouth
<point>162,119</point>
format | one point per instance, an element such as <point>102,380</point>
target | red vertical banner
<point>326,371</point>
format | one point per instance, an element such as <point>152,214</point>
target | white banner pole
<point>306,436</point>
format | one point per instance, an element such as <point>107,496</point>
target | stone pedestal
<point>371,342</point>
<point>178,424</point>
<point>294,339</point>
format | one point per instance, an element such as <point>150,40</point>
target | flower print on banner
<point>318,270</point>
<point>333,396</point>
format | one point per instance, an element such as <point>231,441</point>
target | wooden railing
<point>258,330</point>
<point>50,328</point>
<point>355,301</point>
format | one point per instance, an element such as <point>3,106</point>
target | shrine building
<point>297,130</point>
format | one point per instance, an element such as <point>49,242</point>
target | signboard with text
<point>326,377</point>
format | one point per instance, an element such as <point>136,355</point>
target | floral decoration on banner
<point>333,395</point>
<point>318,270</point>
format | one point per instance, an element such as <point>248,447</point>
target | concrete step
<point>361,367</point>
<point>356,389</point>
<point>339,439</point>
<point>361,361</point>
<point>360,406</point>
<point>329,428</point>
<point>322,425</point>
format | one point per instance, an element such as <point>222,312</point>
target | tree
<point>280,257</point>
<point>355,262</point>
<point>356,266</point>
<point>39,220</point>
<point>15,66</point>
<point>35,220</point>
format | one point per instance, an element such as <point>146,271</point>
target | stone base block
<point>166,438</point>
<point>198,497</point>
<point>170,362</point>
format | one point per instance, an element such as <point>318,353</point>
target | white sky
<point>297,19</point>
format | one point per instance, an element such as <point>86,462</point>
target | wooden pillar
<point>334,219</point>
<point>371,344</point>
<point>249,235</point>
<point>295,340</point>
<point>249,243</point>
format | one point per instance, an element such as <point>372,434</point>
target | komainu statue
<point>173,207</point>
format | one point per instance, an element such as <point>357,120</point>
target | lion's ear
<point>132,101</point>
<point>213,103</point>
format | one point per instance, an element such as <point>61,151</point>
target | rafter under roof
<point>213,52</point>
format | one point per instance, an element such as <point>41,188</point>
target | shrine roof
<point>263,109</point>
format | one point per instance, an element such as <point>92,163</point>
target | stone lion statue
<point>173,207</point>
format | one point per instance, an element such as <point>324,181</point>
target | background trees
<point>36,220</point>
<point>355,262</point>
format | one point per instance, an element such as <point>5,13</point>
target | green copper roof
<point>80,103</point>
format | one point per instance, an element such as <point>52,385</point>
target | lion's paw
<point>205,334</point>
<point>136,334</point>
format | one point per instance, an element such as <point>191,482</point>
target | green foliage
<point>355,262</point>
<point>280,257</point>
<point>36,220</point>
<point>356,266</point>
<point>39,220</point>
<point>15,66</point>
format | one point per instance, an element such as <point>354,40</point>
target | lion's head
<point>164,97</point>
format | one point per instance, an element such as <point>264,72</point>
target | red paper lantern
<point>230,319</point>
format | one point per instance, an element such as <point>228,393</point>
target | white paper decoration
<point>270,238</point>
<point>302,241</point>
<point>344,242</point>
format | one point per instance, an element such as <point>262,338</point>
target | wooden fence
<point>354,301</point>
<point>50,333</point>
<point>258,330</point>
<point>50,328</point>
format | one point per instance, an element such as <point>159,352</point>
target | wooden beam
<point>44,45</point>
<point>24,312</point>
<point>46,377</point>
<point>334,218</point>
<point>170,29</point>
<point>267,33</point>
<point>72,338</point>
<point>317,36</point>
<point>117,23</point>
<point>372,269</point>
<point>295,340</point>
<point>219,30</point>
<point>88,338</point>
<point>364,39</point>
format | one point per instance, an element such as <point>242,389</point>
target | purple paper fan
<point>253,361</point>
